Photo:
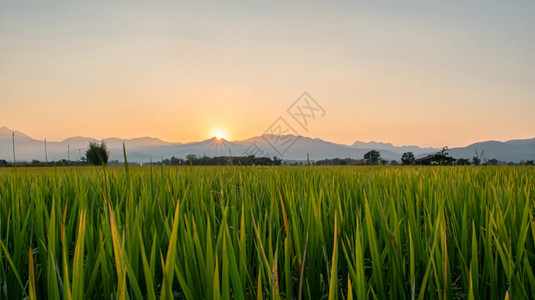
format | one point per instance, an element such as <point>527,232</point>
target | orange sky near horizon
<point>419,73</point>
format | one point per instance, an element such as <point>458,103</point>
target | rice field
<point>267,233</point>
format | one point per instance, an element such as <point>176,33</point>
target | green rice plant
<point>267,232</point>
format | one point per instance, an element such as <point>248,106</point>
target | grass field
<point>259,232</point>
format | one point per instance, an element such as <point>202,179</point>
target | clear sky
<point>431,73</point>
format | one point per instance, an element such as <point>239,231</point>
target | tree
<point>97,154</point>
<point>476,160</point>
<point>175,161</point>
<point>372,157</point>
<point>191,159</point>
<point>443,158</point>
<point>407,158</point>
<point>492,162</point>
<point>463,162</point>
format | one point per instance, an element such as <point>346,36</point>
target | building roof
<point>428,158</point>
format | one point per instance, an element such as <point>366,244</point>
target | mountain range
<point>289,147</point>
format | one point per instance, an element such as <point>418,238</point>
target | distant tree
<point>530,163</point>
<point>407,158</point>
<point>191,159</point>
<point>339,161</point>
<point>492,162</point>
<point>443,158</point>
<point>205,160</point>
<point>372,157</point>
<point>97,154</point>
<point>114,163</point>
<point>394,163</point>
<point>463,162</point>
<point>175,161</point>
<point>476,160</point>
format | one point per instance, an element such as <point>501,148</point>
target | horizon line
<point>259,136</point>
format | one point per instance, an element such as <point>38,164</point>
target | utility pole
<point>13,140</point>
<point>46,154</point>
<point>68,153</point>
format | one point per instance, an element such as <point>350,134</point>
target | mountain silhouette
<point>144,148</point>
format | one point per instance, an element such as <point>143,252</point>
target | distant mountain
<point>316,148</point>
<point>510,151</point>
<point>6,134</point>
<point>137,142</point>
<point>81,141</point>
<point>291,147</point>
<point>399,150</point>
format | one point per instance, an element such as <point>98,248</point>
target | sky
<point>430,73</point>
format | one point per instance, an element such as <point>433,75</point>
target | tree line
<point>195,160</point>
<point>97,154</point>
<point>442,158</point>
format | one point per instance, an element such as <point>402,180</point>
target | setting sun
<point>219,134</point>
<point>367,148</point>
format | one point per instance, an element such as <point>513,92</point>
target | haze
<point>426,72</point>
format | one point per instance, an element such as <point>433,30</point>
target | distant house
<point>435,159</point>
<point>3,162</point>
<point>428,160</point>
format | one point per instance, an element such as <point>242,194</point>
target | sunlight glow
<point>219,134</point>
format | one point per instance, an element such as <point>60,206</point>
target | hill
<point>289,147</point>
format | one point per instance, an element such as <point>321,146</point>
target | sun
<point>219,134</point>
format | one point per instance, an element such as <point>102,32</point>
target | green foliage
<point>339,162</point>
<point>492,162</point>
<point>249,160</point>
<point>463,162</point>
<point>372,157</point>
<point>443,158</point>
<point>267,232</point>
<point>97,154</point>
<point>407,158</point>
<point>476,160</point>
